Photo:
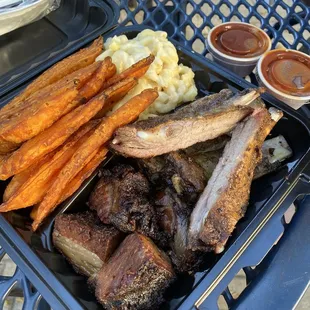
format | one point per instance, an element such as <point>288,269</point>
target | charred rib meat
<point>173,217</point>
<point>84,241</point>
<point>135,276</point>
<point>225,198</point>
<point>178,171</point>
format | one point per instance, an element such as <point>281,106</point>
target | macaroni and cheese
<point>175,82</point>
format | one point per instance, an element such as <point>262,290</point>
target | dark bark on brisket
<point>135,277</point>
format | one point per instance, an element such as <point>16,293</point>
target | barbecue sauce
<point>239,40</point>
<point>287,71</point>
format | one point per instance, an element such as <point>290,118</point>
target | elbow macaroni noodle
<point>175,82</point>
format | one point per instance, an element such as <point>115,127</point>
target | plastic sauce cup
<point>237,46</point>
<point>286,75</point>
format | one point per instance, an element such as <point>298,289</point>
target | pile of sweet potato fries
<point>53,134</point>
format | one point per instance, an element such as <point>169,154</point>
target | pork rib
<point>202,120</point>
<point>223,202</point>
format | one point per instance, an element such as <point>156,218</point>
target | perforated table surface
<point>189,21</point>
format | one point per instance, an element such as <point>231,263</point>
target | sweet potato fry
<point>19,179</point>
<point>34,211</point>
<point>81,59</point>
<point>103,73</point>
<point>77,78</point>
<point>18,182</point>
<point>92,86</point>
<point>105,70</point>
<point>74,185</point>
<point>48,140</point>
<point>84,174</point>
<point>7,147</point>
<point>136,70</point>
<point>37,117</point>
<point>39,181</point>
<point>126,114</point>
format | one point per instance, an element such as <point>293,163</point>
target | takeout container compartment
<point>27,51</point>
<point>70,289</point>
<point>242,66</point>
<point>293,101</point>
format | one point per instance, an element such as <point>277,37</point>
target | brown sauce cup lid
<point>288,71</point>
<point>239,40</point>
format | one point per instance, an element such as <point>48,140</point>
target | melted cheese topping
<point>175,82</point>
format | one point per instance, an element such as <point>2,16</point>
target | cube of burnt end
<point>135,276</point>
<point>85,241</point>
<point>121,198</point>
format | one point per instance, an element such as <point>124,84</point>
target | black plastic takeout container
<point>72,25</point>
<point>270,197</point>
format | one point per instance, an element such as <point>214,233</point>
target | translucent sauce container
<point>238,46</point>
<point>286,75</point>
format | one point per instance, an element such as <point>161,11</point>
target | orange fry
<point>39,181</point>
<point>19,179</point>
<point>136,70</point>
<point>103,73</point>
<point>48,140</point>
<point>78,60</point>
<point>74,185</point>
<point>7,147</point>
<point>34,212</point>
<point>18,183</point>
<point>37,117</point>
<point>77,78</point>
<point>84,174</point>
<point>126,114</point>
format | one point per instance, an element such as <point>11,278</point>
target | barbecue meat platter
<point>180,165</point>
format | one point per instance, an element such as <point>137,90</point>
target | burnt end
<point>135,276</point>
<point>105,194</point>
<point>84,241</point>
<point>101,198</point>
<point>121,198</point>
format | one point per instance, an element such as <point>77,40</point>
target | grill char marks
<point>224,200</point>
